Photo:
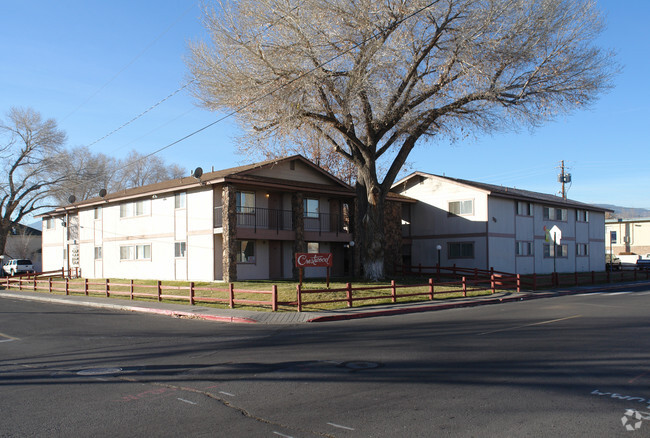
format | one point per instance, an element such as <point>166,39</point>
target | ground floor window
<point>460,250</point>
<point>98,253</point>
<point>245,251</point>
<point>135,252</point>
<point>180,248</point>
<point>556,250</point>
<point>582,249</point>
<point>524,248</point>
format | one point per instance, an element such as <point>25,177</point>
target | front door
<point>275,259</point>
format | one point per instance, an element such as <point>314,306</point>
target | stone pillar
<point>298,217</point>
<point>393,236</point>
<point>229,213</point>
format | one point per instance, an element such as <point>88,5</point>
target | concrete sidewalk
<point>250,316</point>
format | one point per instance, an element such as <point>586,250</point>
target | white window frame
<point>525,248</point>
<point>97,213</point>
<point>524,208</point>
<point>308,210</point>
<point>465,207</point>
<point>582,249</point>
<point>143,251</point>
<point>135,209</point>
<point>582,215</point>
<point>549,249</point>
<point>98,253</point>
<point>127,252</point>
<point>548,216</point>
<point>180,200</point>
<point>180,250</point>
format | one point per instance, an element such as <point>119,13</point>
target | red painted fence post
<point>131,289</point>
<point>159,290</point>
<point>299,297</point>
<point>393,291</point>
<point>518,282</point>
<point>274,298</point>
<point>493,284</point>
<point>85,286</point>
<point>431,293</point>
<point>108,288</point>
<point>49,288</point>
<point>231,295</point>
<point>191,293</point>
<point>67,286</point>
<point>464,287</point>
<point>348,287</point>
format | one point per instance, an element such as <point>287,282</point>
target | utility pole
<point>563,178</point>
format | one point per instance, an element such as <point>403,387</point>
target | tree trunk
<point>370,229</point>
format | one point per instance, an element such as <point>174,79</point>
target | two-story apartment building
<point>241,223</point>
<point>476,225</point>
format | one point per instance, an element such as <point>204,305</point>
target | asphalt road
<point>566,366</point>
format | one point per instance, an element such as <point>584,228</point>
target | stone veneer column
<point>392,236</point>
<point>298,217</point>
<point>229,220</point>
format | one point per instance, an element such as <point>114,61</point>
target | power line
<point>142,52</point>
<point>379,32</point>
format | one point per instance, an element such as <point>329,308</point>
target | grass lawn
<point>216,294</point>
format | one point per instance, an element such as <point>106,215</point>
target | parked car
<point>643,262</point>
<point>18,266</point>
<point>612,263</point>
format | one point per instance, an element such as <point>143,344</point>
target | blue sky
<point>94,65</point>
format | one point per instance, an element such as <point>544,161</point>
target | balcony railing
<point>272,219</point>
<point>258,218</point>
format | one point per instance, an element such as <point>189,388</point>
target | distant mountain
<point>626,212</point>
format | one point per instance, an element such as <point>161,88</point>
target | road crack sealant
<point>227,404</point>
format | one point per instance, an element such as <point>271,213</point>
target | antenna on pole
<point>563,178</point>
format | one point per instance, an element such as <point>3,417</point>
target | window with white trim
<point>582,249</point>
<point>180,249</point>
<point>98,253</point>
<point>97,213</point>
<point>461,208</point>
<point>179,200</point>
<point>135,209</point>
<point>550,250</point>
<point>524,248</point>
<point>582,215</point>
<point>524,208</point>
<point>555,214</point>
<point>135,252</point>
<point>311,207</point>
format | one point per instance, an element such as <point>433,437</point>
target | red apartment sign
<point>314,260</point>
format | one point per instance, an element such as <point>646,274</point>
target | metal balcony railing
<point>273,219</point>
<point>258,218</point>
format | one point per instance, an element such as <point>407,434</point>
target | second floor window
<point>179,200</point>
<point>245,202</point>
<point>137,208</point>
<point>524,209</point>
<point>461,208</point>
<point>311,207</point>
<point>555,214</point>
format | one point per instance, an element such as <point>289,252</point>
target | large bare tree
<point>374,79</point>
<point>30,149</point>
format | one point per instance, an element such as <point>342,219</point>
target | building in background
<point>23,242</point>
<point>628,236</point>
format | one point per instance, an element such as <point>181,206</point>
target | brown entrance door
<point>275,259</point>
